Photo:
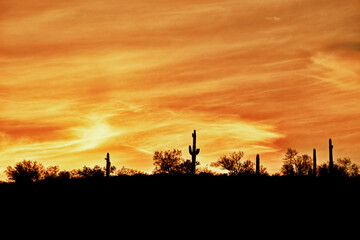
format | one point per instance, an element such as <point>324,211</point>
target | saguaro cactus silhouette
<point>193,152</point>
<point>108,164</point>
<point>331,161</point>
<point>314,162</point>
<point>257,164</point>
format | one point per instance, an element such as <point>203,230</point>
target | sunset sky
<point>81,78</point>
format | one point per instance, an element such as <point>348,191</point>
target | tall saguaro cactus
<point>257,164</point>
<point>331,161</point>
<point>314,162</point>
<point>108,164</point>
<point>193,152</point>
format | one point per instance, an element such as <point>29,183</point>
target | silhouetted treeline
<point>302,165</point>
<point>171,163</point>
<point>31,171</point>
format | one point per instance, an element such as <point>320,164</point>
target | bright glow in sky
<point>85,77</point>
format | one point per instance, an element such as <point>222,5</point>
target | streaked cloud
<point>273,19</point>
<point>84,78</point>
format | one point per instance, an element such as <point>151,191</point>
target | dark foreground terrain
<point>190,187</point>
<point>179,202</point>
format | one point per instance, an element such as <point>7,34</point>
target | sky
<point>82,78</point>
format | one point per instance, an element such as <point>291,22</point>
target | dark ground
<point>183,203</point>
<point>191,187</point>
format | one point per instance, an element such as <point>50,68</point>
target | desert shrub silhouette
<point>236,167</point>
<point>25,172</point>
<point>294,165</point>
<point>171,162</point>
<point>342,168</point>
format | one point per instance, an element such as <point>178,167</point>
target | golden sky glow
<point>84,77</point>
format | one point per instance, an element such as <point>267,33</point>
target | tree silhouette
<point>303,165</point>
<point>230,163</point>
<point>294,165</point>
<point>187,167</point>
<point>347,168</point>
<point>25,172</point>
<point>167,161</point>
<point>234,166</point>
<point>287,168</point>
<point>171,162</point>
<point>64,175</point>
<point>342,168</point>
<point>247,168</point>
<point>129,172</point>
<point>51,172</point>
<point>88,172</point>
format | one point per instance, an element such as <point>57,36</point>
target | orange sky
<point>84,77</point>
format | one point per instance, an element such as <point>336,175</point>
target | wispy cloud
<point>339,72</point>
<point>273,19</point>
<point>89,77</point>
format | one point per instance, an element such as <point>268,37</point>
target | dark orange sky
<point>85,77</point>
